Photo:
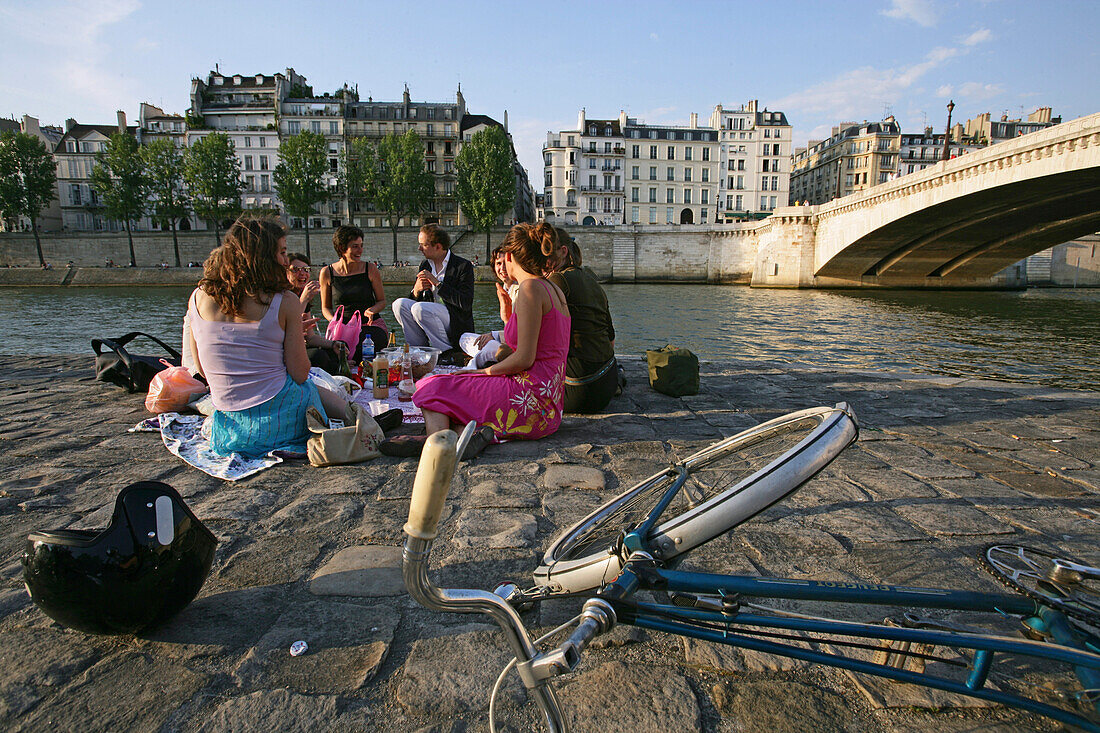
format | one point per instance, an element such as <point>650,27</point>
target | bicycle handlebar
<point>433,481</point>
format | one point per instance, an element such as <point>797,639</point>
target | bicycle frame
<point>717,616</point>
<point>728,626</point>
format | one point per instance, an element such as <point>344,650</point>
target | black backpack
<point>132,371</point>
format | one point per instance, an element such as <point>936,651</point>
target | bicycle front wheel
<point>727,483</point>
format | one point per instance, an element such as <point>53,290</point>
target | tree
<point>359,173</point>
<point>27,180</point>
<point>119,177</point>
<point>486,185</point>
<point>213,177</point>
<point>299,175</point>
<point>404,186</point>
<point>164,168</point>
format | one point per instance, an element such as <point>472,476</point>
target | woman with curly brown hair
<point>248,340</point>
<point>519,397</point>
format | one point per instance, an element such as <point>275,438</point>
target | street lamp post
<point>947,133</point>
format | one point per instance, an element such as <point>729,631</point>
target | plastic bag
<point>170,389</point>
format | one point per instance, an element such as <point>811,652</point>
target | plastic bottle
<point>368,349</point>
<point>406,387</point>
<point>380,368</point>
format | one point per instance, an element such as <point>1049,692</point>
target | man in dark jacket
<point>440,307</point>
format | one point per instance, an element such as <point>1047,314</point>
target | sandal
<point>482,438</point>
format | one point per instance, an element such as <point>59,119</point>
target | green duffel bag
<point>673,371</point>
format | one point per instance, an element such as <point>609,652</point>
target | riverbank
<point>943,467</point>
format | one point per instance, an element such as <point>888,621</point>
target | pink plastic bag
<point>171,389</point>
<point>347,332</point>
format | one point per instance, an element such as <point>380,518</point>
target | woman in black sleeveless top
<point>357,286</point>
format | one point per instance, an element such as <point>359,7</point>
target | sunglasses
<point>300,270</point>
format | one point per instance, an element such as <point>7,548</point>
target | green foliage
<point>195,122</point>
<point>299,175</point>
<point>164,170</point>
<point>119,177</point>
<point>27,179</point>
<point>359,171</point>
<point>486,186</point>
<point>27,176</point>
<point>300,91</point>
<point>404,185</point>
<point>213,177</point>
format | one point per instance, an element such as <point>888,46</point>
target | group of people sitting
<point>253,336</point>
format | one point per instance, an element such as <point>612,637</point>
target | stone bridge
<point>959,223</point>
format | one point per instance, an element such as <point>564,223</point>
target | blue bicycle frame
<point>727,625</point>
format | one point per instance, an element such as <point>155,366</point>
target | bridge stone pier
<point>961,223</point>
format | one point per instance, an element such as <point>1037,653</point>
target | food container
<point>424,360</point>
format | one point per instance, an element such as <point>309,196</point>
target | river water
<point>1037,336</point>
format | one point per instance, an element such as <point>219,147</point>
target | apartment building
<point>754,161</point>
<point>617,171</point>
<point>81,208</point>
<point>323,115</point>
<point>246,108</point>
<point>854,158</point>
<point>438,124</point>
<point>917,152</point>
<point>985,131</point>
<point>583,172</point>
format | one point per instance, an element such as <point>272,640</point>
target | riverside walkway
<point>943,467</point>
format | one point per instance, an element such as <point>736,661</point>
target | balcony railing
<point>602,189</point>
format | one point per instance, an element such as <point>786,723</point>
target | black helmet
<point>139,572</point>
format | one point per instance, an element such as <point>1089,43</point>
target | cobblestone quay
<point>943,467</point>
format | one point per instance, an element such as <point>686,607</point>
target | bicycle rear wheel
<point>727,483</point>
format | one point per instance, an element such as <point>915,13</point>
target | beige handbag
<point>356,442</point>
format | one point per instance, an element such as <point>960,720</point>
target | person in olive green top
<point>591,371</point>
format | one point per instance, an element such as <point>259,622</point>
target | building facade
<point>246,109</point>
<point>75,154</point>
<point>754,161</point>
<point>985,131</point>
<point>323,115</point>
<point>623,171</point>
<point>854,158</point>
<point>917,152</point>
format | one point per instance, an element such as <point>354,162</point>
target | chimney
<point>622,121</point>
<point>121,121</point>
<point>405,95</point>
<point>70,124</point>
<point>30,126</point>
<point>694,120</point>
<point>752,105</point>
<point>580,121</point>
<point>505,121</point>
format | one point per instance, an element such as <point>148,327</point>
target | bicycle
<point>634,543</point>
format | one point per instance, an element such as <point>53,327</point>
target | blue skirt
<point>278,424</point>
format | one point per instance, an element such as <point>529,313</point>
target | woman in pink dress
<point>519,397</point>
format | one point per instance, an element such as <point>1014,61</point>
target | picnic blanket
<point>183,437</point>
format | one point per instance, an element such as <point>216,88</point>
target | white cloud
<point>920,12</point>
<point>653,37</point>
<point>70,34</point>
<point>971,91</point>
<point>858,91</point>
<point>979,36</point>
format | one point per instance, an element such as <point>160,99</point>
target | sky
<point>819,62</point>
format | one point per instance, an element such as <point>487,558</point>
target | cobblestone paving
<point>943,467</point>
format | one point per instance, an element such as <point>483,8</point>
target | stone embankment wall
<point>716,254</point>
<point>673,254</point>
